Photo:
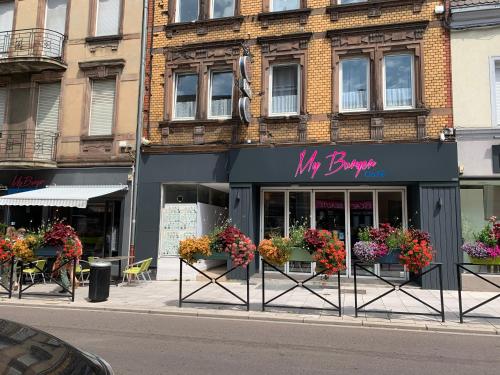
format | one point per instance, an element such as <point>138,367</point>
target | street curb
<point>276,317</point>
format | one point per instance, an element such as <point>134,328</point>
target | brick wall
<point>436,75</point>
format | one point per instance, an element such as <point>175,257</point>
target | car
<point>25,350</point>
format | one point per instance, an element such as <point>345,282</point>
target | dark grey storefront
<point>104,226</point>
<point>427,172</point>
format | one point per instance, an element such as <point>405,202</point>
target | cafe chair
<point>83,271</point>
<point>137,270</point>
<point>37,269</point>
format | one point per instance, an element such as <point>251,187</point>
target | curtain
<point>398,81</point>
<point>222,8</point>
<point>55,20</point>
<point>221,94</point>
<point>108,17</point>
<point>355,84</point>
<point>185,100</point>
<point>187,10</point>
<point>285,89</point>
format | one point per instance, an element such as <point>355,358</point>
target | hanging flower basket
<point>486,249</point>
<point>213,256</point>
<point>299,254</point>
<point>391,257</point>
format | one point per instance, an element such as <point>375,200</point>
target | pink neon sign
<point>335,162</point>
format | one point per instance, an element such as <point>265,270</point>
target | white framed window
<point>351,1</point>
<point>284,89</point>
<point>354,84</point>
<point>185,96</point>
<point>495,90</point>
<point>108,17</point>
<point>282,5</point>
<point>399,81</point>
<point>222,8</point>
<point>187,10</point>
<point>102,106</point>
<point>220,103</point>
<point>3,105</point>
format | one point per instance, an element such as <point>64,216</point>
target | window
<point>496,93</point>
<point>6,23</point>
<point>284,88</point>
<point>47,115</point>
<point>221,94</point>
<point>351,1</point>
<point>3,105</point>
<point>222,8</point>
<point>187,10</point>
<point>108,17</point>
<point>398,81</point>
<point>282,5</point>
<point>102,107</point>
<point>55,15</point>
<point>186,89</point>
<point>354,84</point>
<point>19,105</point>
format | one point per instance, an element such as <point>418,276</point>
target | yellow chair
<point>37,269</point>
<point>137,270</point>
<point>83,271</point>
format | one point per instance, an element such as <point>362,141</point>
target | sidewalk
<point>161,297</point>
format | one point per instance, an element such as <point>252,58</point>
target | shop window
<point>221,94</point>
<point>102,107</point>
<point>398,81</point>
<point>186,89</point>
<point>187,10</point>
<point>354,84</point>
<point>108,17</point>
<point>491,201</point>
<point>222,8</point>
<point>299,208</point>
<point>390,208</point>
<point>496,93</point>
<point>283,5</point>
<point>3,105</point>
<point>274,214</point>
<point>284,88</point>
<point>19,105</point>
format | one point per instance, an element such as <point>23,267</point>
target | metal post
<point>263,286</point>
<point>459,279</point>
<point>440,269</point>
<point>248,288</point>
<point>21,279</point>
<point>73,278</point>
<point>180,283</point>
<point>355,292</point>
<point>11,278</point>
<point>340,295</point>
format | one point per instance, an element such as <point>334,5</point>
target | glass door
<point>361,213</point>
<point>55,20</point>
<point>299,213</point>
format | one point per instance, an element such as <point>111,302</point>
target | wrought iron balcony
<point>31,50</point>
<point>18,147</point>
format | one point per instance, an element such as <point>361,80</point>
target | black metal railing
<point>33,145</point>
<point>32,43</point>
<point>7,268</point>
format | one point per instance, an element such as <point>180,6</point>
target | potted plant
<point>276,250</point>
<point>330,258</point>
<point>486,248</point>
<point>385,244</point>
<point>314,241</point>
<point>6,251</point>
<point>301,248</point>
<point>193,249</point>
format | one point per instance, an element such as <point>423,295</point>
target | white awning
<point>60,196</point>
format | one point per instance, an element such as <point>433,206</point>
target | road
<point>156,344</point>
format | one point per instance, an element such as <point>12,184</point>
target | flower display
<point>275,250</point>
<point>5,250</point>
<point>315,240</point>
<point>72,248</point>
<point>23,251</point>
<point>366,251</point>
<point>416,255</point>
<point>487,242</point>
<point>331,257</point>
<point>58,233</point>
<point>242,250</point>
<point>191,246</point>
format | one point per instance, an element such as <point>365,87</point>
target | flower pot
<point>47,251</point>
<point>391,258</point>
<point>486,261</point>
<point>214,256</point>
<point>299,254</point>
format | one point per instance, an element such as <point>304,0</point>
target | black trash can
<point>100,276</point>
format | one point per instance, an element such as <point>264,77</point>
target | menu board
<point>178,222</point>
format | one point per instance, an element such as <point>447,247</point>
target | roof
<point>60,196</point>
<point>472,3</point>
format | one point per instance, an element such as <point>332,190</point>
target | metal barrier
<point>463,266</point>
<point>214,281</point>
<point>299,284</point>
<point>9,265</point>
<point>50,277</point>
<point>399,287</point>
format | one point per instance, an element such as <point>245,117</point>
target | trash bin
<point>100,276</point>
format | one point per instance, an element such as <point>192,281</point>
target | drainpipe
<point>138,135</point>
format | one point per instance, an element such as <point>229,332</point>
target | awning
<point>60,196</point>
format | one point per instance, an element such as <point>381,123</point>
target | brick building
<point>332,113</point>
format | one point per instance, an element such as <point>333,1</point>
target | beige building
<point>69,89</point>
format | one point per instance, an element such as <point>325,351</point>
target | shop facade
<point>341,188</point>
<point>102,222</point>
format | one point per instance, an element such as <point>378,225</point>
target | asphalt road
<point>143,344</point>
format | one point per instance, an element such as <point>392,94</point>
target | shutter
<point>108,16</point>
<point>47,115</point>
<point>102,107</point>
<point>497,91</point>
<point>3,102</point>
<point>55,17</point>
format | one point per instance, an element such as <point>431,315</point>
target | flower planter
<point>391,258</point>
<point>486,261</point>
<point>46,251</point>
<point>214,256</point>
<point>299,254</point>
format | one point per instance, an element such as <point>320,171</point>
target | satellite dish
<point>244,109</point>
<point>246,68</point>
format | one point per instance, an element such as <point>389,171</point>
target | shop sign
<point>334,162</point>
<point>27,182</point>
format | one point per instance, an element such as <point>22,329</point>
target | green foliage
<point>296,235</point>
<point>3,229</point>
<point>364,235</point>
<point>485,236</point>
<point>284,245</point>
<point>396,240</point>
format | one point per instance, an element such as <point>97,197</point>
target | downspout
<point>138,135</point>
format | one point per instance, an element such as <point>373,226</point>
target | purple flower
<point>479,250</point>
<point>366,251</point>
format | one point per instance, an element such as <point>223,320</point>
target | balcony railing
<point>28,146</point>
<point>32,43</point>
